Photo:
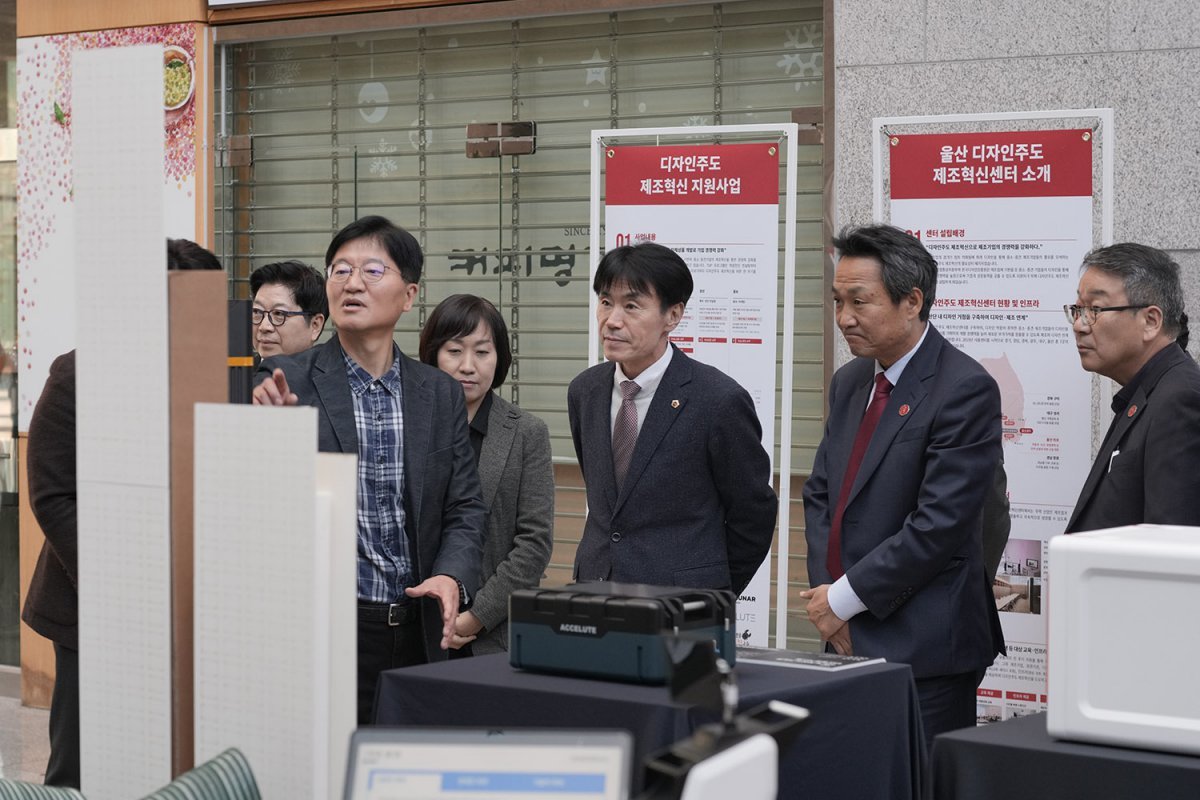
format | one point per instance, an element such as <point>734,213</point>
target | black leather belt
<point>393,614</point>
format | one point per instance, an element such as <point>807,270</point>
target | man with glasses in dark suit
<point>289,308</point>
<point>1130,326</point>
<point>420,510</point>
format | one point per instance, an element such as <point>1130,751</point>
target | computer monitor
<point>455,764</point>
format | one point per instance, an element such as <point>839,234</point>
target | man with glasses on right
<point>1130,326</point>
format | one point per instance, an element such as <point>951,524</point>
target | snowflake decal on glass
<point>807,66</point>
<point>383,165</point>
<point>811,33</point>
<point>803,63</point>
<point>284,71</point>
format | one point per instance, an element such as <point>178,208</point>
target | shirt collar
<point>1121,400</point>
<point>361,380</point>
<point>893,372</point>
<point>649,378</point>
<point>479,422</point>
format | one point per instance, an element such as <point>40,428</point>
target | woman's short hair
<point>458,316</point>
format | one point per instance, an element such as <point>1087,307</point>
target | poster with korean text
<point>1008,216</point>
<point>717,206</point>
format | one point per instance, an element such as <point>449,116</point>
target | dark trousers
<point>947,703</point>
<point>63,767</point>
<point>381,646</point>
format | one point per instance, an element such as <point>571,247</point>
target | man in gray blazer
<point>420,514</point>
<point>678,483</point>
<point>1129,325</point>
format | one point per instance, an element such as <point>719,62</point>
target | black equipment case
<point>616,631</point>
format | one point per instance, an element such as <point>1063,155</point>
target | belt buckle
<point>395,615</point>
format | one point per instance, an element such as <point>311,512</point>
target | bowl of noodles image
<point>179,78</point>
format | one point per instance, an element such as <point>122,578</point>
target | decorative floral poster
<point>46,257</point>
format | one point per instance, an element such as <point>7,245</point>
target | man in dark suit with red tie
<point>894,505</point>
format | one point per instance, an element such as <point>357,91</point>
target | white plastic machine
<point>735,758</point>
<point>745,765</point>
<point>1124,640</point>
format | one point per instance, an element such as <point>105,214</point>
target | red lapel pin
<point>904,409</point>
<point>1132,411</point>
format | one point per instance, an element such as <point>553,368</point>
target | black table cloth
<point>863,741</point>
<point>1018,758</point>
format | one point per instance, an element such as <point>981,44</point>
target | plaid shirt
<point>384,563</point>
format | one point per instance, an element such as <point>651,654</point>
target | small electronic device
<point>455,763</point>
<point>736,757</point>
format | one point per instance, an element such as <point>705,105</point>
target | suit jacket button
<point>616,537</point>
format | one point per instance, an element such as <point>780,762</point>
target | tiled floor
<point>24,744</point>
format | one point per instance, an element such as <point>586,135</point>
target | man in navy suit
<point>420,510</point>
<point>894,506</point>
<point>1129,326</point>
<point>678,483</point>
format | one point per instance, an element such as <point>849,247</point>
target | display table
<point>1018,758</point>
<point>863,741</point>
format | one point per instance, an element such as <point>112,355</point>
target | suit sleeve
<point>461,547</point>
<point>52,464</point>
<point>532,540</point>
<point>265,368</point>
<point>817,513</point>
<point>959,465</point>
<point>1172,456</point>
<point>997,523</point>
<point>573,412</point>
<point>741,472</point>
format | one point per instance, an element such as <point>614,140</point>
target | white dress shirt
<point>843,600</point>
<point>648,379</point>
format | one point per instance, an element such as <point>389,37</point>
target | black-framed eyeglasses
<point>371,273</point>
<point>277,316</point>
<point>1089,313</point>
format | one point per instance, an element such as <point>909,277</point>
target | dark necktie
<point>625,431</point>
<point>879,401</point>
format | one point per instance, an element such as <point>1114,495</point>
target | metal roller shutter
<point>314,132</point>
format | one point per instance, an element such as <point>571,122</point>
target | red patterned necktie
<point>870,420</point>
<point>625,431</point>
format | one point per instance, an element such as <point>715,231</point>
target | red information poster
<point>1008,216</point>
<point>717,206</point>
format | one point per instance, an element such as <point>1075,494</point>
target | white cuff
<point>843,601</point>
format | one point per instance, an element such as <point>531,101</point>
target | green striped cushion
<point>225,777</point>
<point>16,790</point>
